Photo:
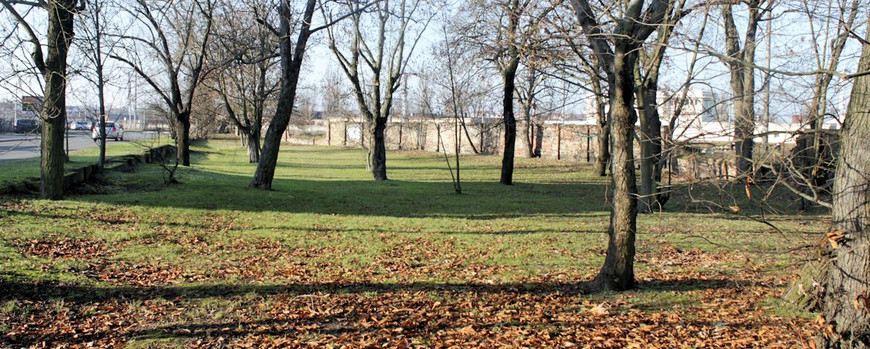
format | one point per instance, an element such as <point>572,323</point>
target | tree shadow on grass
<point>214,190</point>
<point>70,292</point>
<point>325,324</point>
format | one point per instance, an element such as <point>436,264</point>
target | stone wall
<point>555,141</point>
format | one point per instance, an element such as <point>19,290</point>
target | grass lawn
<point>331,258</point>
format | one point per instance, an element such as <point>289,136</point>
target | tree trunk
<point>510,123</point>
<point>618,270</point>
<point>378,149</point>
<point>603,158</point>
<point>252,142</point>
<point>846,297</point>
<point>182,138</point>
<point>650,148</point>
<point>291,64</point>
<point>742,83</point>
<point>53,114</point>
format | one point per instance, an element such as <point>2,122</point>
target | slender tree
<point>176,36</point>
<point>617,51</point>
<point>52,65</point>
<point>827,58</point>
<point>647,93</point>
<point>374,62</point>
<point>245,79</point>
<point>96,44</point>
<point>741,64</point>
<point>292,53</point>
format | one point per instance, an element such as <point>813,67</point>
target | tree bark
<point>603,122</point>
<point>510,122</point>
<point>618,270</point>
<point>846,296</point>
<point>378,149</point>
<point>252,142</point>
<point>53,114</point>
<point>618,60</point>
<point>182,138</point>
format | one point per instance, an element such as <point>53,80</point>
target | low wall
<point>76,176</point>
<point>555,141</point>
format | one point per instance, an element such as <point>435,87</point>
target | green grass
<point>223,249</point>
<point>17,170</point>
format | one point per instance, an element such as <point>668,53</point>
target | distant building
<point>700,106</point>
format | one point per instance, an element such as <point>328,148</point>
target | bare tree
<point>175,36</point>
<point>828,51</point>
<point>97,44</point>
<point>52,65</point>
<point>291,55</point>
<point>246,76</point>
<point>586,76</point>
<point>374,64</point>
<point>617,50</point>
<point>335,93</point>
<point>741,64</point>
<point>497,28</point>
<point>646,93</point>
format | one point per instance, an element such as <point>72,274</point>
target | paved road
<point>18,146</point>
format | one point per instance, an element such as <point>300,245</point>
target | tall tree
<point>617,50</point>
<point>828,45</point>
<point>646,93</point>
<point>845,301</point>
<point>96,44</point>
<point>245,78</point>
<point>176,36</point>
<point>292,53</point>
<point>741,63</point>
<point>374,61</point>
<point>52,65</point>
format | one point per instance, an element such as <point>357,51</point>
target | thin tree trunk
<point>846,297</point>
<point>510,123</point>
<point>603,123</point>
<point>182,138</point>
<point>53,114</point>
<point>650,147</point>
<point>743,83</point>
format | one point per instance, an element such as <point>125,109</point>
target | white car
<point>114,131</point>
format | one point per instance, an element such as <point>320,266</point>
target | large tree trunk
<point>846,297</point>
<point>618,270</point>
<point>378,149</point>
<point>510,123</point>
<point>53,114</point>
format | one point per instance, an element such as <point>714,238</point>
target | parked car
<point>27,126</point>
<point>114,130</point>
<point>79,125</point>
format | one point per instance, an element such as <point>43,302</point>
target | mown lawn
<point>332,258</point>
